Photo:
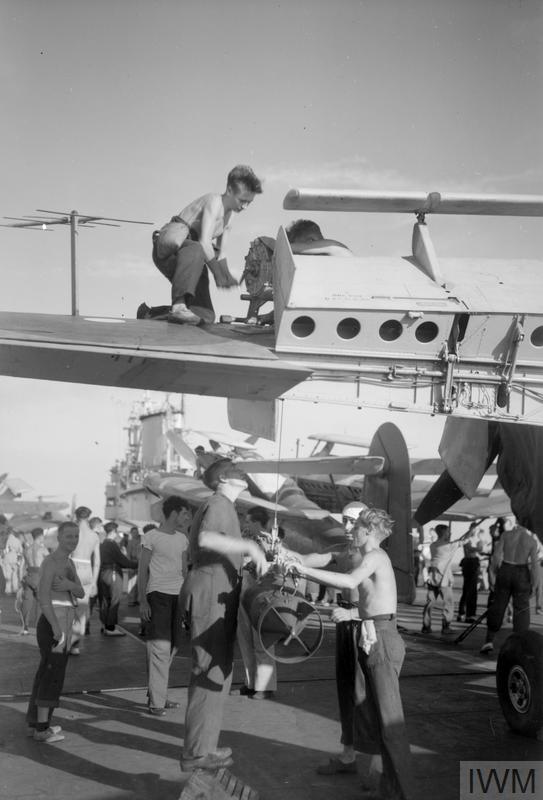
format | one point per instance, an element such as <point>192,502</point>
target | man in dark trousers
<point>110,580</point>
<point>160,578</point>
<point>379,722</point>
<point>470,573</point>
<point>514,568</point>
<point>210,597</point>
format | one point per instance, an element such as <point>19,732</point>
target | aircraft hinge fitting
<point>449,393</point>
<point>504,389</point>
<point>392,373</point>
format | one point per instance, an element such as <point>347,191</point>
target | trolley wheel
<point>519,681</point>
<point>280,631</point>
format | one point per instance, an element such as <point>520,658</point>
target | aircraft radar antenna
<point>73,219</point>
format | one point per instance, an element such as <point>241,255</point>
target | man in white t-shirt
<point>160,577</point>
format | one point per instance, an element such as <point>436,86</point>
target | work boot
<point>211,761</point>
<point>183,315</point>
<point>243,691</point>
<point>156,712</point>
<point>48,736</point>
<point>335,766</point>
<point>56,729</point>
<point>261,695</point>
<point>143,312</point>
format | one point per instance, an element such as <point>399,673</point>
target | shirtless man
<point>58,586</point>
<point>306,238</point>
<point>194,241</point>
<point>34,554</point>
<point>379,721</point>
<point>514,570</point>
<point>86,558</point>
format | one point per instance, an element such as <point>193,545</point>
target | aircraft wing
<point>27,522</point>
<point>520,472</point>
<point>17,486</point>
<point>195,492</point>
<point>142,354</point>
<point>340,438</point>
<point>333,465</point>
<point>304,523</point>
<point>30,506</point>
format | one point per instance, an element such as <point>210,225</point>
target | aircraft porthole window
<point>302,327</point>
<point>426,332</point>
<point>536,336</point>
<point>391,330</point>
<point>348,328</point>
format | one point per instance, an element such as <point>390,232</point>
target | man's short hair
<point>94,521</point>
<point>259,514</point>
<point>241,173</point>
<point>173,503</point>
<point>302,230</point>
<point>64,526</point>
<point>149,527</point>
<point>377,520</point>
<point>110,526</point>
<point>224,468</point>
<point>37,532</point>
<point>82,512</point>
<point>441,530</point>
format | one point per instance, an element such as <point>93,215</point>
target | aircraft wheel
<point>290,634</point>
<point>519,681</point>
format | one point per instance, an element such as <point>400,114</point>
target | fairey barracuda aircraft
<point>19,498</point>
<point>458,337</point>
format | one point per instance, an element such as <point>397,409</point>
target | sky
<point>131,109</point>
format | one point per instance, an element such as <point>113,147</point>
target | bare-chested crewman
<point>514,571</point>
<point>34,554</point>
<point>86,558</point>
<point>379,720</point>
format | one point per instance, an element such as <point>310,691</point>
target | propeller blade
<point>348,465</point>
<point>181,447</point>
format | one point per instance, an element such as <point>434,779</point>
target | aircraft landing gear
<point>519,681</point>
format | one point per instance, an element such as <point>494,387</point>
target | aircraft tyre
<point>519,681</point>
